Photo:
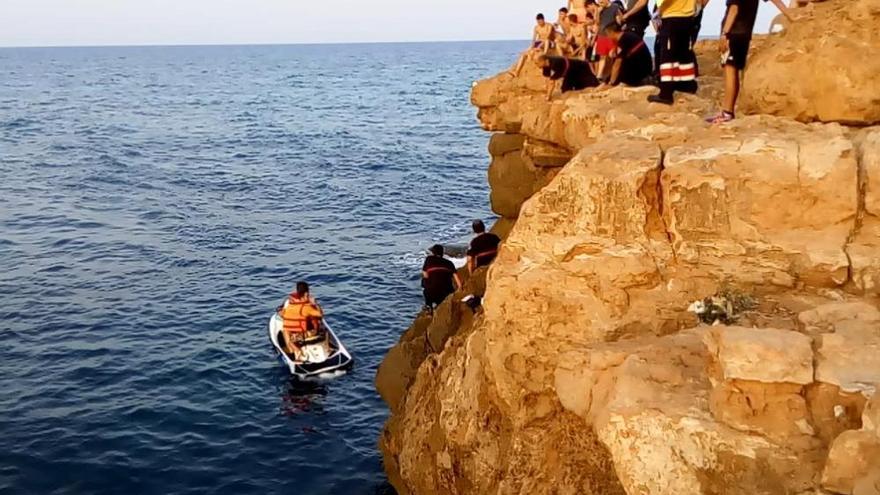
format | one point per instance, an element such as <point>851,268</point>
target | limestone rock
<point>502,143</point>
<point>762,354</point>
<point>544,154</point>
<point>813,73</point>
<point>840,316</point>
<point>865,243</point>
<point>850,359</point>
<point>512,178</point>
<point>868,484</point>
<point>833,411</point>
<point>427,335</point>
<point>871,414</point>
<point>854,455</point>
<point>771,204</point>
<point>649,401</point>
<point>584,373</point>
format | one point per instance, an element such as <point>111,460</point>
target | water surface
<point>157,203</point>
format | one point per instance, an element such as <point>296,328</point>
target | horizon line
<point>258,43</point>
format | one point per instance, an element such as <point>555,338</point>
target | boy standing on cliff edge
<point>736,36</point>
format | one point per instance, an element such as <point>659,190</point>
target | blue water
<point>157,203</point>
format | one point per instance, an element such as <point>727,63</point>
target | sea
<point>157,204</point>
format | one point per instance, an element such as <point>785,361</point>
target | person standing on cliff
<point>678,70</point>
<point>483,247</point>
<point>609,13</point>
<point>579,38</point>
<point>636,17</point>
<point>736,36</point>
<point>561,25</point>
<point>439,278</point>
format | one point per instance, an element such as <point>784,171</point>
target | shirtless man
<point>579,8</point>
<point>578,38</point>
<point>563,27</point>
<point>543,37</point>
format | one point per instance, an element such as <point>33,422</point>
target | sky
<point>174,22</point>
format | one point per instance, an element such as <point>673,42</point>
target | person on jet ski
<point>302,317</point>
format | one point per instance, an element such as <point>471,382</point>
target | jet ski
<point>323,355</point>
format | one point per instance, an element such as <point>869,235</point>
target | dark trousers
<point>635,29</point>
<point>659,45</point>
<point>678,71</point>
<point>433,298</point>
<point>698,24</point>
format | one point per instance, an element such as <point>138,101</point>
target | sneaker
<point>722,118</point>
<point>660,99</point>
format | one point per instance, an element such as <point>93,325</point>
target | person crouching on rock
<point>439,278</point>
<point>574,74</point>
<point>632,64</point>
<point>483,247</point>
<point>302,317</point>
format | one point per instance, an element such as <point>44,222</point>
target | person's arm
<point>615,70</point>
<point>723,43</point>
<point>457,279</point>
<point>551,37</point>
<point>424,274</point>
<point>782,8</point>
<point>640,5</point>
<point>551,87</point>
<point>471,263</point>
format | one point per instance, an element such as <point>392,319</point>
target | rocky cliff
<point>585,373</point>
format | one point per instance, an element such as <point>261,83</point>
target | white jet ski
<point>323,354</point>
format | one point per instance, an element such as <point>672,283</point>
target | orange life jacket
<point>299,315</point>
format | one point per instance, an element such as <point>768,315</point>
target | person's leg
<point>698,24</point>
<point>687,59</point>
<point>659,46</point>
<point>289,346</point>
<point>734,64</point>
<point>666,64</point>
<point>731,88</point>
<point>283,341</point>
<point>520,63</point>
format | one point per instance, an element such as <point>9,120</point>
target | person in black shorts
<point>439,277</point>
<point>736,36</point>
<point>575,74</point>
<point>636,17</point>
<point>483,247</point>
<point>632,64</point>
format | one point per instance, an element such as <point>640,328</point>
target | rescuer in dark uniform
<point>483,247</point>
<point>439,277</point>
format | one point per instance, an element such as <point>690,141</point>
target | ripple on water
<point>158,203</point>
